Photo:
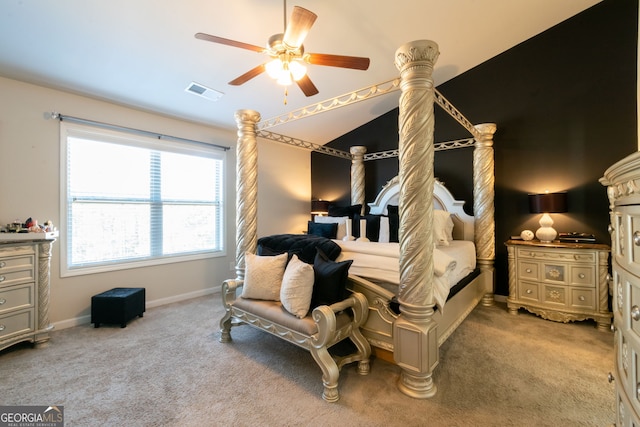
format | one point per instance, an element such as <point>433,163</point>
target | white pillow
<point>442,227</point>
<point>383,236</point>
<point>263,276</point>
<point>340,220</point>
<point>297,287</point>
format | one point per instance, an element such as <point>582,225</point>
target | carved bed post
<point>483,206</point>
<point>246,187</point>
<point>415,332</point>
<point>357,176</point>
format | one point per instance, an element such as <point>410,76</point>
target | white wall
<point>29,187</point>
<point>284,188</point>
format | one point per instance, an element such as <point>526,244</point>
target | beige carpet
<point>168,369</point>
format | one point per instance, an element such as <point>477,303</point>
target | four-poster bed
<point>414,335</point>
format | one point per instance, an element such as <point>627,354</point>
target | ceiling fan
<point>287,56</point>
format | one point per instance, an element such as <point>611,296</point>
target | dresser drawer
<point>631,308</point>
<point>583,298</point>
<point>557,255</point>
<point>17,269</point>
<point>16,297</point>
<point>582,276</point>
<point>16,323</point>
<point>555,295</point>
<point>555,273</point>
<point>528,270</point>
<point>17,276</point>
<point>529,291</point>
<point>16,263</point>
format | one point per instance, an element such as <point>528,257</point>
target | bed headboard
<point>442,199</point>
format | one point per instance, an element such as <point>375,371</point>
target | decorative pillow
<point>349,211</point>
<point>442,227</point>
<point>383,237</point>
<point>263,276</point>
<point>394,222</point>
<point>267,251</point>
<point>341,221</point>
<point>330,285</point>
<point>323,230</point>
<point>304,245</point>
<point>297,287</point>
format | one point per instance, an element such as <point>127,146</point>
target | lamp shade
<point>548,202</point>
<point>319,207</point>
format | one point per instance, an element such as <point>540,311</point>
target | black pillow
<point>330,231</point>
<point>394,223</point>
<point>304,243</point>
<point>267,251</point>
<point>349,211</point>
<point>373,226</point>
<point>330,284</point>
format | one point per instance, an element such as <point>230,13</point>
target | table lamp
<point>545,204</point>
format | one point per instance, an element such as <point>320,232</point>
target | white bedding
<point>381,261</point>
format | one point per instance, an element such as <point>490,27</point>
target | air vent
<point>203,91</point>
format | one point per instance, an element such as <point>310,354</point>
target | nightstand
<point>558,281</point>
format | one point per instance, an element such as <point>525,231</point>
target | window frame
<point>129,137</point>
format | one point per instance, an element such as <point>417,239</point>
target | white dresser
<point>623,189</point>
<point>564,282</point>
<point>24,288</point>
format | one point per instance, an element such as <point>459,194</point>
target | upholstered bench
<point>325,326</point>
<point>117,306</point>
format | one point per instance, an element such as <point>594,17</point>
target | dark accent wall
<point>565,106</point>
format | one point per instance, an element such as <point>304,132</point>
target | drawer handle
<point>610,228</point>
<point>636,238</point>
<point>581,275</point>
<point>2,278</point>
<point>581,298</point>
<point>2,328</point>
<point>529,291</point>
<point>528,270</point>
<point>3,264</point>
<point>635,312</point>
<point>2,301</point>
<point>610,378</point>
<point>612,327</point>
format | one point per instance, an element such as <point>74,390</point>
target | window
<point>129,200</point>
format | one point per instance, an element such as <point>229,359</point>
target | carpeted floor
<point>168,369</point>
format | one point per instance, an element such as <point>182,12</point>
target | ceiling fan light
<point>297,70</point>
<point>274,68</point>
<point>285,78</point>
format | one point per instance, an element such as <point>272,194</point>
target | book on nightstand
<point>576,237</point>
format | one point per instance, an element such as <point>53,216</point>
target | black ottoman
<point>118,305</point>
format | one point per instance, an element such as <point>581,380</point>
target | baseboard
<point>82,320</point>
<point>500,298</point>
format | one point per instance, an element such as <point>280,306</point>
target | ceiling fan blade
<point>248,75</point>
<point>228,42</point>
<point>299,26</point>
<point>307,86</point>
<point>354,62</point>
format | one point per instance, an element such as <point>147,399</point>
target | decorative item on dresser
<point>623,189</point>
<point>25,260</point>
<point>560,281</point>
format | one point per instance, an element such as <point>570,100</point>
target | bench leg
<point>330,373</point>
<point>225,327</point>
<point>364,350</point>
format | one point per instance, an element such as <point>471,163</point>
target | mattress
<point>380,262</point>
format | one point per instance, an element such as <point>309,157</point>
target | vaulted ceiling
<point>143,53</point>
